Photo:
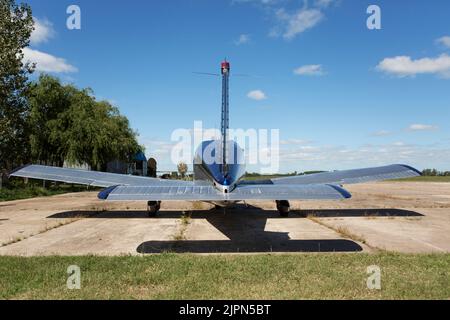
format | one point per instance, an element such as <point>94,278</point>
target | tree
<point>95,133</point>
<point>68,124</point>
<point>430,172</point>
<point>182,169</point>
<point>16,25</point>
<point>48,100</point>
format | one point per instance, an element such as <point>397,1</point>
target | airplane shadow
<point>242,209</point>
<point>244,226</point>
<point>346,213</point>
<point>246,233</point>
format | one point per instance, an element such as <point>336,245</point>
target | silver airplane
<point>220,182</point>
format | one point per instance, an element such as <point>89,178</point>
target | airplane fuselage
<point>209,167</point>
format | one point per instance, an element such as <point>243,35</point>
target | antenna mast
<point>225,125</point>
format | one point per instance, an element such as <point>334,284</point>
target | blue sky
<point>343,96</point>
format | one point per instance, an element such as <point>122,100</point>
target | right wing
<point>91,178</point>
<point>396,171</point>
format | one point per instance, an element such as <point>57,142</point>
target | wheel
<point>153,208</point>
<point>283,208</point>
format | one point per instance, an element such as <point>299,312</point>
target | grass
<point>425,179</point>
<point>343,231</point>
<point>185,221</point>
<point>346,233</point>
<point>21,191</point>
<point>171,276</point>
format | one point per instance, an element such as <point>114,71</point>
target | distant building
<point>117,166</point>
<point>83,166</point>
<point>138,167</point>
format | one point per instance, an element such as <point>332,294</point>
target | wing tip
<point>104,194</point>
<point>344,193</point>
<point>411,168</point>
<point>12,173</point>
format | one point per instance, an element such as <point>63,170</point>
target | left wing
<point>91,178</point>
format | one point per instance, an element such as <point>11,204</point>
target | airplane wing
<point>209,193</point>
<point>397,171</point>
<point>322,186</point>
<point>91,178</point>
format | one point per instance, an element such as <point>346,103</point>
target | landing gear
<point>153,208</point>
<point>283,208</point>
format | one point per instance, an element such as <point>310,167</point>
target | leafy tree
<point>430,172</point>
<point>48,100</point>
<point>95,133</point>
<point>16,25</point>
<point>68,124</point>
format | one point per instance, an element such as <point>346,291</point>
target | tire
<point>152,213</point>
<point>283,208</point>
<point>153,208</point>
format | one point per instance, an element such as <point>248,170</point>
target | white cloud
<point>444,41</point>
<point>294,142</point>
<point>422,127</point>
<point>309,70</point>
<point>298,22</point>
<point>43,31</point>
<point>310,156</point>
<point>262,2</point>
<point>257,95</point>
<point>243,39</point>
<point>381,133</point>
<point>323,3</point>
<point>404,66</point>
<point>46,62</point>
<point>292,22</point>
<point>345,157</point>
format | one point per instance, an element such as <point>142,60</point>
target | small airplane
<point>219,182</point>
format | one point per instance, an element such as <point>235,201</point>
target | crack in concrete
<point>344,232</point>
<point>46,229</point>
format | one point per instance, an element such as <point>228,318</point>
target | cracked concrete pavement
<point>395,216</point>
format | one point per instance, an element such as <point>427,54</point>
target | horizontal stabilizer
<point>209,193</point>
